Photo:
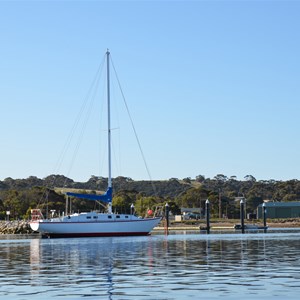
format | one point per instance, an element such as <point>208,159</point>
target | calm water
<point>178,266</point>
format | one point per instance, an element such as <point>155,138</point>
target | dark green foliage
<point>19,202</point>
<point>122,201</point>
<point>194,197</point>
<point>174,207</point>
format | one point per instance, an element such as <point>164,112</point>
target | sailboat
<point>95,224</point>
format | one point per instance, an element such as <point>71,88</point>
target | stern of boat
<point>36,217</point>
<point>34,225</point>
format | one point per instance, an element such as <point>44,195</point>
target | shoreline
<point>22,227</point>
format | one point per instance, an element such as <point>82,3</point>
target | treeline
<point>168,188</point>
<point>19,196</point>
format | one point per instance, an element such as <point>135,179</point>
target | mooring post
<point>242,215</point>
<point>207,216</point>
<point>265,216</point>
<point>167,218</point>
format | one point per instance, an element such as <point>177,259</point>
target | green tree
<point>13,203</point>
<point>220,177</point>
<point>187,180</point>
<point>173,207</point>
<point>143,204</point>
<point>252,203</point>
<point>250,178</point>
<point>193,197</point>
<point>214,204</point>
<point>200,178</point>
<point>121,203</point>
<point>290,197</point>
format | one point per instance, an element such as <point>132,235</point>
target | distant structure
<point>195,210</point>
<point>276,210</point>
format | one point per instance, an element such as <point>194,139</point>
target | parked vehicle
<point>192,216</point>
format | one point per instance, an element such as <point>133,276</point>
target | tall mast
<point>108,120</point>
<point>109,136</point>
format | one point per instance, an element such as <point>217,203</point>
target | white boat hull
<point>77,228</point>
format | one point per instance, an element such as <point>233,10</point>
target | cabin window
<point>126,217</point>
<point>95,217</point>
<point>118,217</point>
<point>88,217</point>
<point>109,217</point>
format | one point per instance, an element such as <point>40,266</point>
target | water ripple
<point>178,266</point>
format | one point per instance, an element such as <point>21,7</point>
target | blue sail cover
<point>107,197</point>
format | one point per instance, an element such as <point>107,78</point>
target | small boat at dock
<point>249,227</point>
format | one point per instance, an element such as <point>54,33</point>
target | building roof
<point>281,204</point>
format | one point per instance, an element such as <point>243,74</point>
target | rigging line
<point>133,127</point>
<point>100,136</point>
<point>84,108</point>
<point>78,118</point>
<point>77,121</point>
<point>72,132</point>
<point>85,121</point>
<point>117,158</point>
<point>117,166</point>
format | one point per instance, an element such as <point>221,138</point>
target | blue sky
<point>212,87</point>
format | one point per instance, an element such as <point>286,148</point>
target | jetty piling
<point>265,216</point>
<point>242,215</point>
<point>167,218</point>
<point>207,214</point>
